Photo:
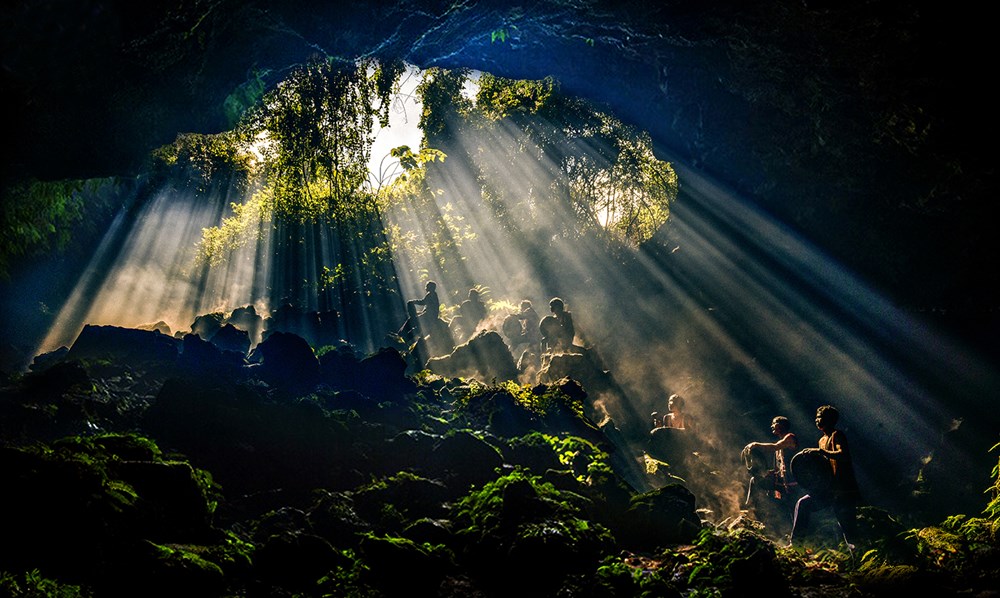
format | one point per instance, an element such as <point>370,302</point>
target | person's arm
<point>787,442</point>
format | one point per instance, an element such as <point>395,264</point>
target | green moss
<point>32,584</point>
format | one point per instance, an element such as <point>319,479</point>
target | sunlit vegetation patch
<point>520,521</point>
<point>479,401</point>
<point>546,165</point>
<point>33,584</point>
<point>205,162</point>
<point>604,170</point>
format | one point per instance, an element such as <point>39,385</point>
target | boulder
<point>125,344</point>
<point>287,361</point>
<point>485,356</point>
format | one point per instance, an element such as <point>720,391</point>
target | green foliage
<point>185,558</point>
<point>602,170</point>
<point>444,106</point>
<point>313,133</point>
<point>409,160</point>
<point>32,584</point>
<point>347,579</point>
<point>318,127</point>
<point>478,398</point>
<point>248,222</point>
<point>992,510</point>
<point>208,161</point>
<point>97,455</point>
<point>500,98</point>
<point>722,558</point>
<point>482,511</point>
<point>39,216</point>
<point>244,97</point>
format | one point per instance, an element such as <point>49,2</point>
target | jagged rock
<point>231,338</point>
<point>201,357</point>
<point>174,503</point>
<point>206,325</point>
<point>660,517</point>
<point>46,360</point>
<point>296,560</point>
<point>582,367</point>
<point>247,319</point>
<point>409,450</point>
<point>466,459</point>
<point>160,327</point>
<point>287,361</point>
<point>125,344</point>
<point>382,376</point>
<point>334,518</point>
<point>394,502</point>
<point>339,367</point>
<point>485,356</point>
<point>402,567</point>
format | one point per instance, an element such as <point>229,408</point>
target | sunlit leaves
<point>410,160</point>
<point>313,132</point>
<point>631,198</point>
<point>318,127</point>
<point>582,162</point>
<point>211,161</point>
<point>499,98</point>
<point>444,106</point>
<point>248,222</point>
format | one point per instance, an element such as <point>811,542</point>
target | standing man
<point>432,308</point>
<point>843,494</point>
<point>772,486</point>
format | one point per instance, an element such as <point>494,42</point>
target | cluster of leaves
<point>40,216</point>
<point>210,162</point>
<point>961,545</point>
<point>35,585</point>
<point>313,135</point>
<point>318,129</point>
<point>97,454</point>
<point>482,512</point>
<point>541,401</point>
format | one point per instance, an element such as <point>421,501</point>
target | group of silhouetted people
<point>554,333</point>
<point>801,482</point>
<point>788,485</point>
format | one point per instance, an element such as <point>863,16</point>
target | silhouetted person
<point>675,416</point>
<point>431,305</point>
<point>529,324</point>
<point>772,487</point>
<point>672,439</point>
<point>472,312</point>
<point>842,495</point>
<point>557,330</point>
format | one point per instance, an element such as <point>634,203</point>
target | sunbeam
<point>720,302</point>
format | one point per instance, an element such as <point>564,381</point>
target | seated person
<point>557,330</point>
<point>473,311</point>
<point>675,416</point>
